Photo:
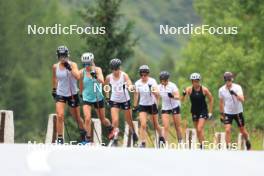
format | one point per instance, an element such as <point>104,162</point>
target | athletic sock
<point>60,139</point>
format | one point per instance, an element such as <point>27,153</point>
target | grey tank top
<point>67,84</point>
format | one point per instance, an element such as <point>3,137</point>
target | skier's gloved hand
<point>210,116</point>
<point>124,86</point>
<point>135,109</point>
<point>93,74</point>
<point>184,92</point>
<point>67,66</point>
<point>233,92</point>
<point>81,96</point>
<point>170,95</point>
<point>150,87</point>
<point>54,93</point>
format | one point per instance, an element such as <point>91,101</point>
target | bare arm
<point>155,91</point>
<point>75,71</point>
<point>81,81</point>
<point>100,76</point>
<point>54,79</point>
<point>211,99</point>
<point>136,96</point>
<point>176,95</point>
<point>188,91</point>
<point>240,98</point>
<point>128,80</point>
<point>106,82</point>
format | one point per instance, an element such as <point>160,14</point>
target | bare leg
<point>101,114</point>
<point>87,119</point>
<point>115,117</point>
<point>75,112</point>
<point>177,122</point>
<point>143,125</point>
<point>156,124</point>
<point>129,120</point>
<point>166,124</point>
<point>200,130</point>
<point>60,117</point>
<point>228,134</point>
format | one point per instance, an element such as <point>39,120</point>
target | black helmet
<point>164,75</point>
<point>228,76</point>
<point>115,64</point>
<point>143,69</point>
<point>62,51</point>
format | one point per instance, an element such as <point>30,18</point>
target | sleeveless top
<point>198,101</point>
<point>67,83</point>
<point>119,94</point>
<point>92,89</point>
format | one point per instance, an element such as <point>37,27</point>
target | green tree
<point>212,55</point>
<point>117,42</point>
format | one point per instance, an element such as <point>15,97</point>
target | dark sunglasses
<point>115,68</point>
<point>143,74</point>
<point>87,64</point>
<point>62,55</point>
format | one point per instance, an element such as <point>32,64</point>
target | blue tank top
<point>92,89</point>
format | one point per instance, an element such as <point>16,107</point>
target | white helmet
<point>195,76</point>
<point>87,58</point>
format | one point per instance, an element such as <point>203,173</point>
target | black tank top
<point>198,102</point>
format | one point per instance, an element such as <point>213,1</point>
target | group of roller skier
<point>147,94</point>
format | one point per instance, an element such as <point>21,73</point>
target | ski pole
<point>130,115</point>
<point>99,111</point>
<point>152,115</point>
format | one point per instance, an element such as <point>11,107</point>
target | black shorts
<point>173,111</point>
<point>151,109</point>
<point>196,116</point>
<point>73,101</point>
<point>239,118</point>
<point>96,105</point>
<point>124,105</point>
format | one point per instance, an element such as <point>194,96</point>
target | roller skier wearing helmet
<point>199,109</point>
<point>231,108</point>
<point>170,99</point>
<point>120,99</point>
<point>65,74</point>
<point>91,93</point>
<point>145,101</point>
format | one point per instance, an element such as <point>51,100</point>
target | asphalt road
<point>41,160</point>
